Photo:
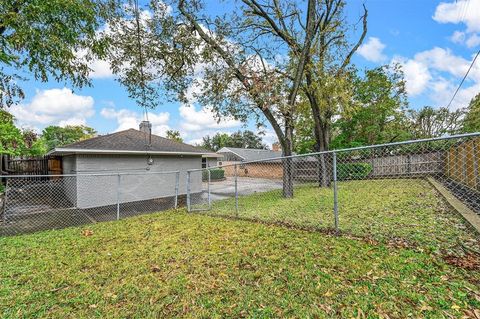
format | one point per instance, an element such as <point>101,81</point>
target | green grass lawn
<point>175,264</point>
<point>406,210</point>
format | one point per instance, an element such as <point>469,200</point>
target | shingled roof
<point>130,142</point>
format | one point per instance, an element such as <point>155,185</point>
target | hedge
<point>353,170</point>
<point>215,174</point>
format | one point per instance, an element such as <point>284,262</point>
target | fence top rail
<point>425,140</point>
<point>92,174</point>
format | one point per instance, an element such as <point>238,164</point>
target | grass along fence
<point>358,190</point>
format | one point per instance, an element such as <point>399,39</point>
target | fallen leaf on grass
<point>87,232</point>
<point>455,307</point>
<point>426,307</point>
<point>155,268</point>
<point>472,314</point>
<point>468,261</point>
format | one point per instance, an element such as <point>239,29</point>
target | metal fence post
<point>475,165</point>
<point>236,190</point>
<point>188,191</point>
<point>118,196</point>
<point>464,164</point>
<point>335,191</point>
<point>177,182</point>
<point>208,189</point>
<point>5,196</point>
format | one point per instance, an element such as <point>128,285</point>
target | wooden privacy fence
<point>382,166</point>
<point>407,165</point>
<point>463,162</point>
<point>45,165</point>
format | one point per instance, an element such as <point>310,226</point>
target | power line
<point>463,80</point>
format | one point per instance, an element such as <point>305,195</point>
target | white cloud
<point>269,137</point>
<point>443,60</point>
<point>417,75</point>
<point>100,70</point>
<point>461,11</point>
<point>429,68</point>
<point>473,41</point>
<point>54,107</point>
<point>127,119</point>
<point>442,91</point>
<point>458,37</point>
<point>204,119</point>
<point>437,73</point>
<point>372,50</point>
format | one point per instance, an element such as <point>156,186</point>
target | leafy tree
<point>239,139</point>
<point>304,130</point>
<point>55,136</point>
<point>429,122</point>
<point>216,142</point>
<point>34,145</point>
<point>380,115</point>
<point>11,139</point>
<point>246,139</point>
<point>472,118</point>
<point>240,74</point>
<point>174,135</point>
<point>48,39</point>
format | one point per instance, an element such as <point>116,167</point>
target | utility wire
<point>148,139</point>
<point>140,57</point>
<point>463,80</point>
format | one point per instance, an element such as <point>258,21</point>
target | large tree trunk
<point>288,164</point>
<point>325,160</point>
<point>322,138</point>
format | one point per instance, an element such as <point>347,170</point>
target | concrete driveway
<point>246,186</point>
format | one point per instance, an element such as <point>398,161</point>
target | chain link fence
<point>384,191</point>
<point>41,202</point>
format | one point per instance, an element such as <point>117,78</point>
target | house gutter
<point>68,151</point>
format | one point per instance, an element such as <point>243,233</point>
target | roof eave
<point>70,151</point>
<point>212,155</point>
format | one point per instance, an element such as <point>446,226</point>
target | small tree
<point>174,135</point>
<point>55,136</point>
<point>246,139</point>
<point>429,122</point>
<point>472,118</point>
<point>380,111</point>
<point>11,139</point>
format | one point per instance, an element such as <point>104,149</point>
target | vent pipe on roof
<point>146,127</point>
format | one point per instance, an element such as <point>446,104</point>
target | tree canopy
<point>49,39</point>
<point>55,136</point>
<point>17,142</point>
<point>472,118</point>
<point>239,139</point>
<point>174,135</point>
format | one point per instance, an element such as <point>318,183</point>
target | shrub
<point>215,174</point>
<point>353,170</point>
<point>2,188</point>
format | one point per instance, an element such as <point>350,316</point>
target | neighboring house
<point>269,166</point>
<point>134,152</point>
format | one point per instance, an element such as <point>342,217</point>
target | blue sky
<point>433,40</point>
